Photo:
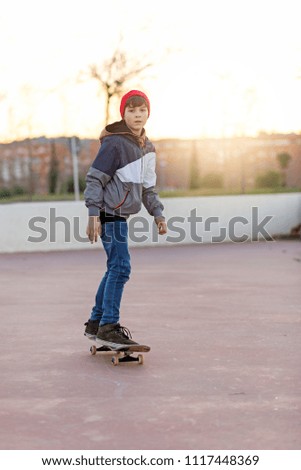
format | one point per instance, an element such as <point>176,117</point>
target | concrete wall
<point>49,226</point>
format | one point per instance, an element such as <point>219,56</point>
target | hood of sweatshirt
<point>120,128</point>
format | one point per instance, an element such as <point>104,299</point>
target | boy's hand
<point>93,228</point>
<point>162,227</point>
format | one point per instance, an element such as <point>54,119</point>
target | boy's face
<point>136,117</point>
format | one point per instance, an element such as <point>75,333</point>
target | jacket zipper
<point>142,170</point>
<point>123,200</point>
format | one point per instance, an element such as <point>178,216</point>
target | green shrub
<point>269,179</point>
<point>5,192</point>
<point>68,186</point>
<point>18,191</point>
<point>212,180</point>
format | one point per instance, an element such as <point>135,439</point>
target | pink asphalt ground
<point>223,322</point>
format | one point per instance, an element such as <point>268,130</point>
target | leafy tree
<point>283,159</point>
<point>53,170</point>
<point>194,177</point>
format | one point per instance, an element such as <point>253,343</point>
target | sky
<point>220,68</point>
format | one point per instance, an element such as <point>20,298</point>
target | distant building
<point>28,164</point>
<point>239,159</point>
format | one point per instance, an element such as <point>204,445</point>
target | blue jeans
<point>114,238</point>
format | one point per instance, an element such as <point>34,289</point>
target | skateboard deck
<point>122,355</point>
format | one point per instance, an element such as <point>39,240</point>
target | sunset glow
<point>233,68</point>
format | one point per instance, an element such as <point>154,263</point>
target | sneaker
<point>114,336</point>
<point>91,328</point>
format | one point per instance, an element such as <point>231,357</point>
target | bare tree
<point>113,74</point>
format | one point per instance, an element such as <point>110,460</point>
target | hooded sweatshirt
<point>122,175</point>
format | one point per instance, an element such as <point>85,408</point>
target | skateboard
<point>122,355</point>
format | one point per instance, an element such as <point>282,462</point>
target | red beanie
<point>129,95</point>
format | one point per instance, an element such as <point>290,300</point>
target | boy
<point>121,177</point>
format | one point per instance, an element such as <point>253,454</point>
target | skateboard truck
<point>119,356</point>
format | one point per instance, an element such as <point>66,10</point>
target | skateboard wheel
<point>140,359</point>
<point>93,350</point>
<point>115,361</point>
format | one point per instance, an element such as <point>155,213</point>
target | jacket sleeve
<point>103,168</point>
<point>150,197</point>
